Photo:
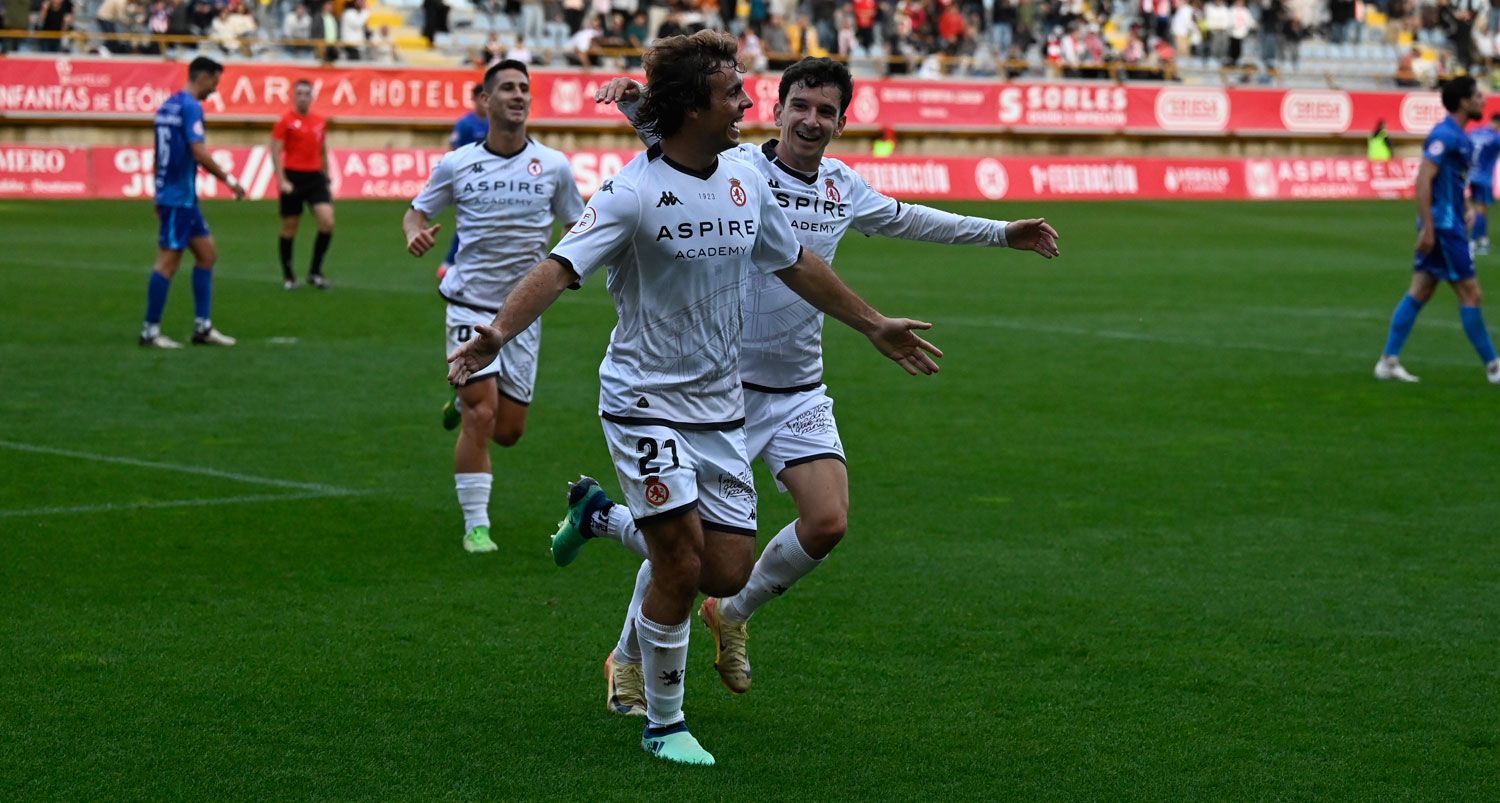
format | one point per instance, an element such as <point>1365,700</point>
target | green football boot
<point>478,540</point>
<point>675,744</point>
<point>452,417</point>
<point>585,498</point>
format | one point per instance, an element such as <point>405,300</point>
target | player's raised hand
<point>423,241</point>
<point>897,338</point>
<point>476,353</point>
<point>1033,234</point>
<point>618,90</point>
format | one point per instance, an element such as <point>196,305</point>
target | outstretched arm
<point>535,293</point>
<point>914,222</point>
<point>812,279</point>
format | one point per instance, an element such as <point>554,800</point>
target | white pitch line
<point>225,500</point>
<point>1170,340</point>
<point>318,488</point>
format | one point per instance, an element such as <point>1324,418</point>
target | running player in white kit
<point>681,229</point>
<point>789,416</point>
<point>507,191</point>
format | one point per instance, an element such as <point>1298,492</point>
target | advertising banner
<point>122,88</point>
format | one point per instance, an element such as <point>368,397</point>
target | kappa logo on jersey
<point>535,168</point>
<point>736,192</point>
<point>657,492</point>
<point>667,199</point>
<point>833,192</point>
<point>608,186</point>
<point>477,168</point>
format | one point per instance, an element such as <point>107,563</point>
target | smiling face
<point>508,101</point>
<point>809,119</point>
<point>727,104</point>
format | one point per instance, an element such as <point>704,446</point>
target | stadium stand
<point>1297,43</point>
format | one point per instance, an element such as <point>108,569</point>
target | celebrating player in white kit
<point>681,229</point>
<point>508,191</point>
<point>789,416</point>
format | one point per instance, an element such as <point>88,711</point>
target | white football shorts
<point>789,429</point>
<point>667,471</point>
<point>515,369</point>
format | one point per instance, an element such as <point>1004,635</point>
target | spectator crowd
<point>928,38</point>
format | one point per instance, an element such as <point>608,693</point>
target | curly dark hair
<point>813,73</point>
<point>677,73</point>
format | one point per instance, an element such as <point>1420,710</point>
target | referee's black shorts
<point>309,187</point>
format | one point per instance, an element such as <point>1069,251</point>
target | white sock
<point>664,661</point>
<point>202,324</point>
<point>617,524</point>
<point>782,563</point>
<point>474,498</point>
<point>150,330</point>
<point>628,648</point>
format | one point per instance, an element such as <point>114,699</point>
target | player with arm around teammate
<point>1442,253</point>
<point>299,150</point>
<point>508,191</point>
<point>790,424</point>
<point>670,396</point>
<point>180,151</point>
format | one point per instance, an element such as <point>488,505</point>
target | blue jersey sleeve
<point>192,121</point>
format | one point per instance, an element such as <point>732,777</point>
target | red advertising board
<point>91,87</point>
<point>400,174</point>
<point>44,172</point>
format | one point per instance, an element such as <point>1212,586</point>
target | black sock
<point>286,258</point>
<point>320,248</point>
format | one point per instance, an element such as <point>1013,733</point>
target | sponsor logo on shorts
<point>733,485</point>
<point>657,492</point>
<point>814,421</point>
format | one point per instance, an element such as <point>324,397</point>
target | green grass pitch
<point>1154,532</point>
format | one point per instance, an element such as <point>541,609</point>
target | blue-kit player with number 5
<point>180,151</point>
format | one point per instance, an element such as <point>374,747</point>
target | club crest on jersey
<point>535,168</point>
<point>736,192</point>
<point>657,492</point>
<point>833,192</point>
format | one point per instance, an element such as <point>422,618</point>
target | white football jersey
<point>679,244</point>
<point>505,206</point>
<point>783,347</point>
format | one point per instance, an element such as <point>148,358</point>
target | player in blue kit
<point>1486,141</point>
<point>471,128</point>
<point>179,153</point>
<point>1442,253</point>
